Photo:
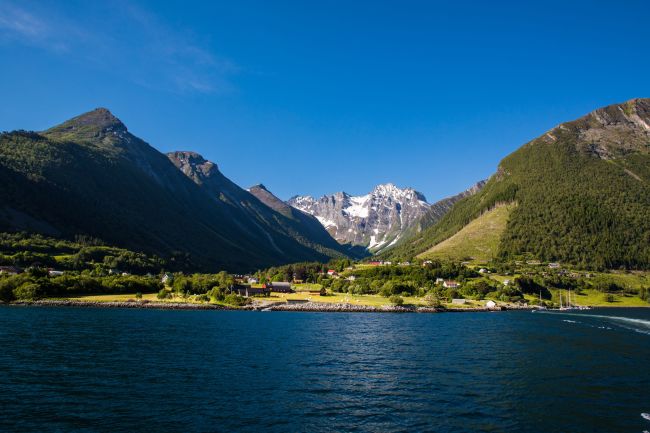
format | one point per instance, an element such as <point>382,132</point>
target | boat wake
<point>637,325</point>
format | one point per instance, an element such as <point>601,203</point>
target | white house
<point>507,282</point>
<point>167,278</point>
<point>483,271</point>
<point>490,304</point>
<point>253,280</point>
<point>450,284</point>
<point>459,301</point>
<point>439,280</point>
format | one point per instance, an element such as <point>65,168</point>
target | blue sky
<point>318,97</point>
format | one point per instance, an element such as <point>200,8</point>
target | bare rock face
<point>375,220</point>
<point>609,132</point>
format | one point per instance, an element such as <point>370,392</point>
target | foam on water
<point>645,416</point>
<point>637,325</point>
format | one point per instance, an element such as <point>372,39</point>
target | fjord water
<point>78,369</point>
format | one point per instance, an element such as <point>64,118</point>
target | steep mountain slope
<point>437,210</point>
<point>375,220</point>
<point>479,240</point>
<point>582,191</point>
<point>91,176</point>
<point>269,222</point>
<point>305,223</point>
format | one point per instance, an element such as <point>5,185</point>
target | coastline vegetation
<point>86,270</point>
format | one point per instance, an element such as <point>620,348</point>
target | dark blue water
<point>156,371</point>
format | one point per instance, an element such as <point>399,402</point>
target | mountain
<point>437,210</point>
<point>305,223</point>
<point>269,218</point>
<point>375,220</point>
<point>580,193</point>
<point>90,176</point>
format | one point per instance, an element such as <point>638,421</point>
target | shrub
<point>28,291</point>
<point>431,300</point>
<point>236,300</point>
<point>164,294</point>
<point>396,300</point>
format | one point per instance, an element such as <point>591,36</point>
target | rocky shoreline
<point>121,304</point>
<point>319,307</point>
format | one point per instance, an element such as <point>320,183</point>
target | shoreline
<point>313,307</point>
<point>316,307</point>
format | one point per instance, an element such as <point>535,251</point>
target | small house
<point>279,287</point>
<point>10,270</point>
<point>54,273</point>
<point>253,280</point>
<point>167,279</point>
<point>247,291</point>
<point>332,272</point>
<point>554,265</point>
<point>490,304</point>
<point>449,284</point>
<point>483,271</point>
<point>351,278</point>
<point>459,301</point>
<point>439,280</point>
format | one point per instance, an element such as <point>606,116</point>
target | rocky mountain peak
<point>609,132</point>
<point>99,120</point>
<point>259,186</point>
<point>193,165</point>
<point>374,220</point>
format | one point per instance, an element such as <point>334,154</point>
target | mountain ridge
<point>90,176</point>
<point>373,220</point>
<point>582,190</point>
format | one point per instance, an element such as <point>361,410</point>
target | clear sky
<point>313,97</point>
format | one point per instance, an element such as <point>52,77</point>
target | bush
<point>431,300</point>
<point>609,297</point>
<point>7,289</point>
<point>396,300</point>
<point>164,294</point>
<point>236,300</point>
<point>28,292</point>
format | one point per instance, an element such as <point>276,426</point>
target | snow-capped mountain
<point>375,220</point>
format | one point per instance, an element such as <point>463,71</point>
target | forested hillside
<point>89,176</point>
<point>582,191</point>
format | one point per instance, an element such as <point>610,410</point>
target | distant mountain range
<point>374,220</point>
<point>580,193</point>
<point>90,176</point>
<point>379,219</point>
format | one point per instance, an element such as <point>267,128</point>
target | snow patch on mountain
<point>374,220</point>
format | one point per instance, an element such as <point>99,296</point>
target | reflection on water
<point>126,370</point>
